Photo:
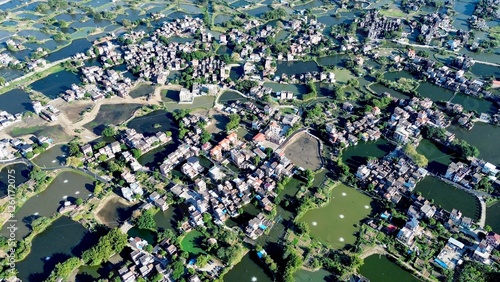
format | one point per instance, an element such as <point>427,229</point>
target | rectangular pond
<point>381,269</point>
<point>248,269</point>
<point>53,85</point>
<point>15,101</point>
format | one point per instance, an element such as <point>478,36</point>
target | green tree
<point>74,149</point>
<point>177,270</point>
<point>39,223</point>
<point>234,122</point>
<point>269,151</point>
<point>465,149</point>
<point>63,270</point>
<point>108,245</point>
<point>205,137</point>
<point>301,228</point>
<point>146,221</point>
<point>38,175</point>
<point>109,131</point>
<point>202,260</point>
<point>419,159</point>
<point>137,153</point>
<point>310,177</point>
<point>256,160</point>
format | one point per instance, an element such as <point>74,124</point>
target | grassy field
<point>343,75</point>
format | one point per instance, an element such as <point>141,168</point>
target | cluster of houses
<point>7,119</point>
<point>75,93</point>
<point>314,76</point>
<point>414,5</point>
<point>110,81</point>
<point>470,175</point>
<point>6,59</point>
<point>107,152</point>
<point>257,226</point>
<point>221,192</point>
<point>136,140</point>
<point>47,112</point>
<point>434,25</point>
<point>378,26</point>
<point>389,178</point>
<point>454,252</point>
<point>446,77</point>
<point>9,147</point>
<point>183,152</point>
<point>144,263</point>
<point>365,128</point>
<point>154,58</point>
<point>187,96</point>
<point>411,115</point>
<point>231,192</point>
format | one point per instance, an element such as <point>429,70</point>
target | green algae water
<point>336,223</point>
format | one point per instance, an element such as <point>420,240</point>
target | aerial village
<point>230,187</point>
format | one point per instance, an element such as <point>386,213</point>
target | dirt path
<point>71,128</point>
<point>373,250</point>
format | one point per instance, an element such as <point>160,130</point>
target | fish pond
<point>247,270</point>
<point>433,92</point>
<point>336,223</point>
<point>492,216</point>
<point>67,186</point>
<point>158,155</point>
<point>321,275</point>
<point>53,157</point>
<point>15,101</point>
<point>141,90</point>
<point>19,172</point>
<point>192,242</point>
<point>481,136</point>
<point>439,156</point>
<point>53,85</point>
<point>359,154</point>
<point>154,122</point>
<point>63,239</point>
<point>111,114</point>
<point>381,269</point>
<point>115,212</point>
<point>449,197</point>
<point>296,67</point>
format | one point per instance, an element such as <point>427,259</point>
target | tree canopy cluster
<point>234,122</point>
<point>109,244</point>
<point>419,159</point>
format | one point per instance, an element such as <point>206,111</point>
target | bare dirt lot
<point>304,152</point>
<point>75,109</point>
